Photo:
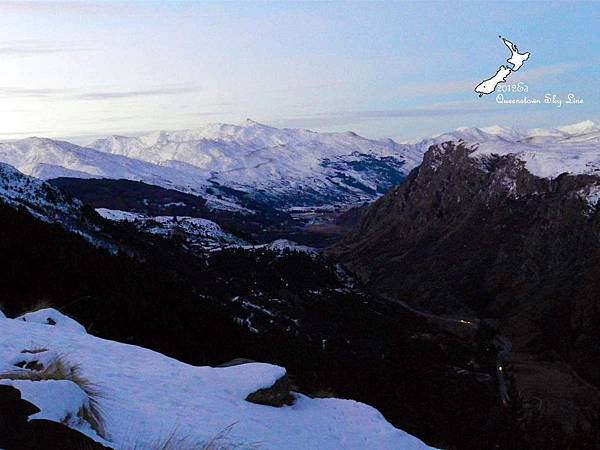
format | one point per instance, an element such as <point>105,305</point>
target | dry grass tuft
<point>34,350</point>
<point>59,369</point>
<point>220,441</point>
<point>36,305</point>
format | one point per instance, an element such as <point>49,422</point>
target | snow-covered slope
<point>278,167</point>
<point>198,233</point>
<point>546,152</point>
<point>39,198</point>
<point>147,398</point>
<point>47,158</point>
<point>50,204</point>
<point>549,159</point>
<point>220,148</point>
<point>288,167</point>
<point>235,165</point>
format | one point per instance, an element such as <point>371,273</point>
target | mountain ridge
<point>485,237</point>
<point>282,168</point>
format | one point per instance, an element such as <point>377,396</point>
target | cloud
<point>541,72</point>
<point>111,95</point>
<point>74,94</point>
<point>351,117</point>
<point>57,7</point>
<point>29,47</point>
<point>459,87</point>
<point>32,92</point>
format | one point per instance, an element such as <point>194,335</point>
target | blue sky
<point>382,69</point>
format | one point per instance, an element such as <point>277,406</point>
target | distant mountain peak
<point>586,126</point>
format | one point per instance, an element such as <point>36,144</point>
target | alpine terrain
<point>503,229</point>
<point>448,289</point>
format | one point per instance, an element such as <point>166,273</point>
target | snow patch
<point>51,317</point>
<point>285,244</point>
<point>199,232</point>
<point>149,396</point>
<point>119,216</point>
<point>591,195</point>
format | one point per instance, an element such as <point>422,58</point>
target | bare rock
<point>277,395</point>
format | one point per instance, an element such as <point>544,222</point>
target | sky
<point>382,69</point>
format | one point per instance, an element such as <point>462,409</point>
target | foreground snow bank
<point>50,316</point>
<point>147,397</point>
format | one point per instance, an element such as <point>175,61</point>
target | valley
<point>442,302</point>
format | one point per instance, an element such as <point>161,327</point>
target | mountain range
<point>282,168</point>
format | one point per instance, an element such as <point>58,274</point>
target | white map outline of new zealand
<point>516,60</point>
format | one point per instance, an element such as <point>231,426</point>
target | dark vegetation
<point>332,338</point>
<point>127,195</point>
<point>152,200</point>
<point>264,225</point>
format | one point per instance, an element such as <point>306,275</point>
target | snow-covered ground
<point>39,198</point>
<point>550,158</point>
<point>547,152</point>
<point>146,397</point>
<point>200,232</point>
<point>197,231</point>
<point>279,245</point>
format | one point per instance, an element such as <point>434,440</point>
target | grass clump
<point>220,441</point>
<point>60,369</point>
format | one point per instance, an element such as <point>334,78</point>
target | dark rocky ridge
<point>485,237</point>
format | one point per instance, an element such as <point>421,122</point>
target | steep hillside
<point>264,224</point>
<point>474,232</point>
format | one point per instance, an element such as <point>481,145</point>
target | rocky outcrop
<point>484,237</point>
<point>17,432</point>
<point>277,395</point>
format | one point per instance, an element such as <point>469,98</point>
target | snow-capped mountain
<point>236,166</point>
<point>546,152</point>
<point>230,164</point>
<point>47,158</point>
<point>497,132</point>
<point>283,167</point>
